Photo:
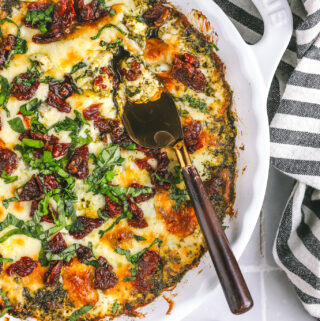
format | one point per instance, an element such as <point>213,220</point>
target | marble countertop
<point>274,296</point>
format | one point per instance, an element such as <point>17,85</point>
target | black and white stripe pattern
<point>295,140</point>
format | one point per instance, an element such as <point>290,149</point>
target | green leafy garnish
<point>20,46</point>
<point>4,93</point>
<point>76,314</point>
<point>33,143</point>
<point>5,260</point>
<point>117,43</point>
<point>108,25</point>
<point>17,125</point>
<point>77,67</point>
<point>7,303</point>
<point>178,195</point>
<point>30,107</point>
<point>134,258</point>
<point>133,93</point>
<point>36,126</point>
<point>8,178</point>
<point>115,307</point>
<point>41,19</point>
<point>74,125</point>
<point>66,255</point>
<point>196,103</point>
<point>139,238</point>
<point>139,19</point>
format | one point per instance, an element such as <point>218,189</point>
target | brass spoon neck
<point>182,154</point>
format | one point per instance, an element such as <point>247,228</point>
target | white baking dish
<point>249,71</point>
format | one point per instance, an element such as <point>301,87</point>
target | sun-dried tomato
<point>133,73</point>
<point>142,163</point>
<point>120,136</point>
<point>213,185</point>
<point>6,47</point>
<point>147,265</point>
<point>78,164</point>
<point>142,197</point>
<point>8,160</point>
<point>52,276</point>
<point>192,134</point>
<point>112,209</point>
<point>63,16</point>
<point>156,16</point>
<point>162,175</point>
<point>104,277</point>
<point>23,267</point>
<point>92,112</point>
<point>24,86</point>
<point>50,182</point>
<point>137,219</point>
<point>87,225</point>
<point>83,253</point>
<point>32,190</point>
<point>57,244</point>
<point>185,68</point>
<point>59,149</point>
<point>58,93</point>
<point>91,11</point>
<point>106,125</point>
<point>162,159</point>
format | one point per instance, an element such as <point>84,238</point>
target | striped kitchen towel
<point>294,114</point>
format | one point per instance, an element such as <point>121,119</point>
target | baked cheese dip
<point>92,224</point>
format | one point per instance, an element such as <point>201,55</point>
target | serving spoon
<point>157,124</point>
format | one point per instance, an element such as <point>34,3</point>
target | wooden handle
<point>229,274</point>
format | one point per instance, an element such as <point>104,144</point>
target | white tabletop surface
<point>274,296</point>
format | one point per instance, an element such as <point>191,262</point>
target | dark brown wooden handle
<point>229,274</point>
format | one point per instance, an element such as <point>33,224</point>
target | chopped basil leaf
<point>4,93</point>
<point>118,43</point>
<point>196,103</point>
<point>5,260</point>
<point>94,263</point>
<point>8,178</point>
<point>66,255</point>
<point>112,12</point>
<point>129,146</point>
<point>115,307</point>
<point>36,126</point>
<point>139,19</point>
<point>76,314</point>
<point>139,238</point>
<point>77,67</point>
<point>178,195</point>
<point>41,19</point>
<point>7,303</point>
<point>17,125</point>
<point>134,258</point>
<point>33,143</point>
<point>30,107</point>
<point>102,216</point>
<point>115,222</point>
<point>20,46</point>
<point>133,93</point>
<point>109,25</point>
